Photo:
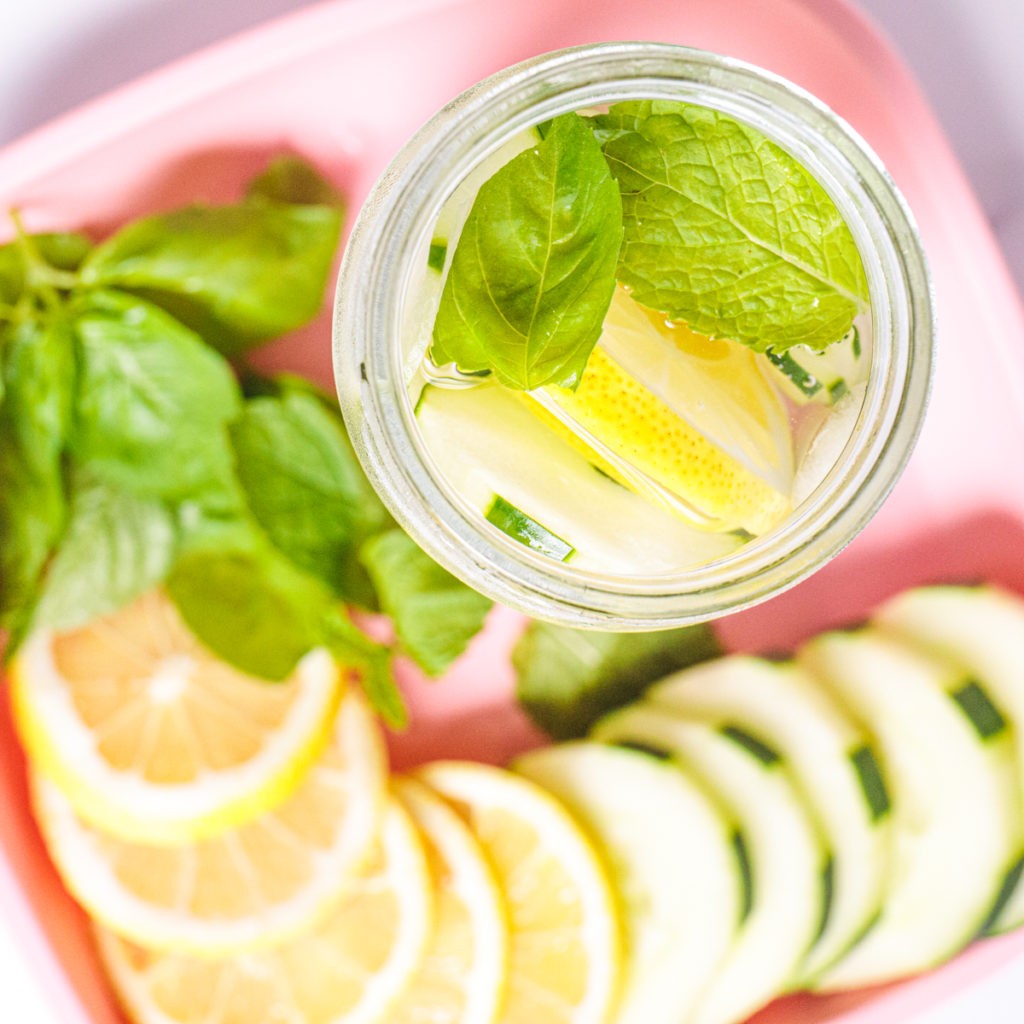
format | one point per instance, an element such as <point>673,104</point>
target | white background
<point>968,55</point>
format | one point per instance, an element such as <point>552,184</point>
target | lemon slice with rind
<point>151,737</point>
<point>565,953</point>
<point>249,887</point>
<point>349,969</point>
<point>462,977</point>
<point>689,422</point>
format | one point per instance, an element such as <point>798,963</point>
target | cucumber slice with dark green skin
<point>485,441</point>
<point>515,523</point>
<point>672,861</point>
<point>953,837</point>
<point>980,630</point>
<point>787,861</point>
<point>831,763</point>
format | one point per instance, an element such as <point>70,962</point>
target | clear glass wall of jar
<point>395,226</point>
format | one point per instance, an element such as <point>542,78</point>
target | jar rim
<point>405,203</point>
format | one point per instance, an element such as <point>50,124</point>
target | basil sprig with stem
<point>131,456</point>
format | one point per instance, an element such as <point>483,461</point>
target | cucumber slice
<point>519,526</point>
<point>486,441</point>
<point>831,764</point>
<point>951,835</point>
<point>805,375</point>
<point>672,860</point>
<point>787,861</point>
<point>980,631</point>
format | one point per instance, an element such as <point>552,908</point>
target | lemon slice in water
<point>689,422</point>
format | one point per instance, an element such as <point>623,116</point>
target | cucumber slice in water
<point>519,526</point>
<point>487,442</point>
<point>788,865</point>
<point>952,833</point>
<point>980,630</point>
<point>672,859</point>
<point>831,763</point>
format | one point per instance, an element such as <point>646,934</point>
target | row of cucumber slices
<point>844,818</point>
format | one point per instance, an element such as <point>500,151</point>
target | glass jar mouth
<point>398,217</point>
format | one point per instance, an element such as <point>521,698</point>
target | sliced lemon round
<point>689,422</point>
<point>462,978</point>
<point>349,969</point>
<point>565,953</point>
<point>249,887</point>
<point>151,737</point>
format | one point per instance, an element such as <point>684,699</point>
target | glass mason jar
<point>394,229</point>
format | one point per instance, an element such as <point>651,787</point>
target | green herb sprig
<point>131,455</point>
<point>713,224</point>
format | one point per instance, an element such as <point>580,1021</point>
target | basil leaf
<point>725,230</point>
<point>238,275</point>
<point>569,678</point>
<point>39,380</point>
<point>248,603</point>
<point>434,614</point>
<point>305,488</point>
<point>290,179</point>
<point>372,663</point>
<point>153,401</point>
<point>534,269</point>
<point>116,547</point>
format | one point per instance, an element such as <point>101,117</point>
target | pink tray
<point>345,83</point>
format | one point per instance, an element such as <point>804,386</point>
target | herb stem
<point>41,277</point>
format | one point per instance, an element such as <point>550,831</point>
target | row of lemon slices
<point>246,857</point>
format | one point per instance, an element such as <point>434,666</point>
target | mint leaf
<point>248,603</point>
<point>435,615</point>
<point>305,488</point>
<point>372,663</point>
<point>116,547</point>
<point>152,400</point>
<point>534,269</point>
<point>39,380</point>
<point>569,678</point>
<point>725,230</point>
<point>238,275</point>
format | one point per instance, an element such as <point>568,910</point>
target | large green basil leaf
<point>39,380</point>
<point>435,615</point>
<point>534,269</point>
<point>152,402</point>
<point>238,275</point>
<point>116,547</point>
<point>305,488</point>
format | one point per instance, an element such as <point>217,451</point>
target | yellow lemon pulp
<point>688,422</point>
<point>462,977</point>
<point>350,968</point>
<point>151,737</point>
<point>565,955</point>
<point>249,887</point>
